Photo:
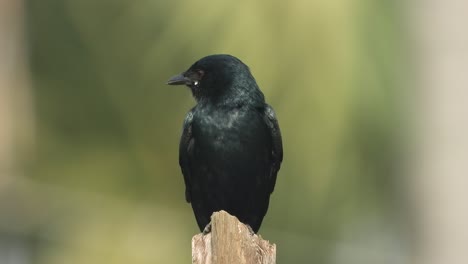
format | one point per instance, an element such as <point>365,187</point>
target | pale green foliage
<point>108,126</point>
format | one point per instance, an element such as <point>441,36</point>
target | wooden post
<point>230,242</point>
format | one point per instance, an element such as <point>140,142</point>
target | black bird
<point>231,149</point>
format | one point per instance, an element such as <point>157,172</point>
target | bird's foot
<point>250,230</point>
<point>207,229</point>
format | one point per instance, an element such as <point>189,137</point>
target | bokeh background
<point>91,169</point>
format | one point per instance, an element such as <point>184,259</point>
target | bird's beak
<point>179,79</point>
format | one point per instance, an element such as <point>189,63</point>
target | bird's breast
<point>233,131</point>
<point>230,144</point>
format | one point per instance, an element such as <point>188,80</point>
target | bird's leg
<point>207,229</point>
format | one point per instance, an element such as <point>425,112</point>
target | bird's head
<point>220,77</point>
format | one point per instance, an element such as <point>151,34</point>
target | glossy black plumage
<point>231,149</point>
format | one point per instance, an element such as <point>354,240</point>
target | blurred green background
<point>103,184</point>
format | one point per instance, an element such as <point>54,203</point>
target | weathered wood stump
<point>231,242</point>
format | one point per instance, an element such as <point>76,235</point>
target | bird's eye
<point>199,75</point>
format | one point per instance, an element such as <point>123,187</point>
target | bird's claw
<point>207,229</point>
<point>250,230</point>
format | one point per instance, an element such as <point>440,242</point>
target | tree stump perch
<point>231,242</point>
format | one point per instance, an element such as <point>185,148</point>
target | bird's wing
<point>276,142</point>
<point>185,152</point>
